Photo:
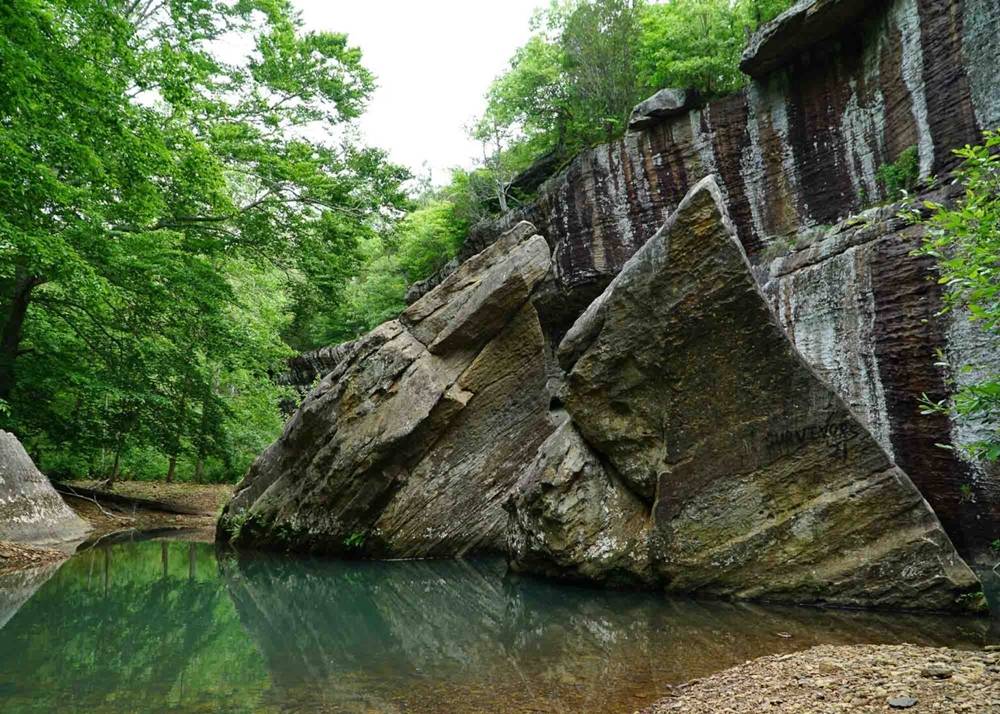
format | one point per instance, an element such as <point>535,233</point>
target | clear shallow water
<point>168,626</point>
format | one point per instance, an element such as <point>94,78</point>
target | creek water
<point>175,626</point>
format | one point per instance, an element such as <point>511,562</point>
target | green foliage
<point>165,232</point>
<point>900,177</point>
<point>418,245</point>
<point>589,62</point>
<point>995,546</point>
<point>965,241</point>
<point>355,540</point>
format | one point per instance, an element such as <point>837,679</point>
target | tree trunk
<point>115,470</point>
<point>10,336</point>
<point>172,468</point>
<point>199,469</point>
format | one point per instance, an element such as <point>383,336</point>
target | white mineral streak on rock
<point>980,48</point>
<point>971,355</point>
<point>828,310</point>
<point>752,169</point>
<point>862,127</point>
<point>906,16</point>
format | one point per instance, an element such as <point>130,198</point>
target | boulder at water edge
<point>711,458</point>
<point>30,509</point>
<point>411,445</point>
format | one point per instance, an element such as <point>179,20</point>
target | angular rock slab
<point>570,519</point>
<point>30,509</point>
<point>762,482</point>
<point>665,103</point>
<point>411,445</point>
<point>806,24</point>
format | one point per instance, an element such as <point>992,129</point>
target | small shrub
<point>901,176</point>
<point>355,540</point>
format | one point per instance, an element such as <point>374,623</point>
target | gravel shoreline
<point>860,678</point>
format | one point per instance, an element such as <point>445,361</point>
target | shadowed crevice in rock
<point>766,485</point>
<point>411,444</point>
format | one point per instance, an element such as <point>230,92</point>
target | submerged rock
<point>410,446</point>
<point>30,509</point>
<point>755,478</point>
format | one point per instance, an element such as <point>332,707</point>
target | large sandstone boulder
<point>753,477</point>
<point>411,445</point>
<point>665,103</point>
<point>30,509</point>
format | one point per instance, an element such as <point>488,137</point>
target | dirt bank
<point>861,678</point>
<point>201,505</point>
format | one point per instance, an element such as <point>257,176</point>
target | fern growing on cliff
<point>964,239</point>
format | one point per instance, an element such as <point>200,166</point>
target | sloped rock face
<point>410,446</point>
<point>798,150</point>
<point>571,518</point>
<point>755,478</point>
<point>30,509</point>
<point>862,310</point>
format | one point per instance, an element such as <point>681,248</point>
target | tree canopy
<point>167,218</point>
<point>589,62</point>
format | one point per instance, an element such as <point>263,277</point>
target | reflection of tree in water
<point>453,636</point>
<point>130,628</point>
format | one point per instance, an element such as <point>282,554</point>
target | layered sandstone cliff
<point>796,155</point>
<point>702,454</point>
<point>719,420</point>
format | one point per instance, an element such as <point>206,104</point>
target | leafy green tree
<point>697,44</point>
<point>142,179</point>
<point>589,62</point>
<point>964,239</point>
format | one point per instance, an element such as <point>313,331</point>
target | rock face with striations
<point>411,445</point>
<point>796,154</point>
<point>30,509</point>
<point>713,459</point>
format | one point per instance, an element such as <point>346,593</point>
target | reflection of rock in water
<point>17,587</point>
<point>990,579</point>
<point>459,636</point>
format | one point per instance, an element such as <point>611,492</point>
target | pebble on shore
<point>860,678</point>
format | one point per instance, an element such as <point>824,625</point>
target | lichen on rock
<point>30,509</point>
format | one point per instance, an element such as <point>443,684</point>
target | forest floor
<point>863,678</point>
<point>201,505</point>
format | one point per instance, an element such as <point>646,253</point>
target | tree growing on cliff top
<point>965,242</point>
<point>589,62</point>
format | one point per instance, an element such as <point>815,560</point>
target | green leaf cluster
<point>964,240</point>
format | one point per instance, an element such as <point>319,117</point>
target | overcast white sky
<point>434,60</point>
